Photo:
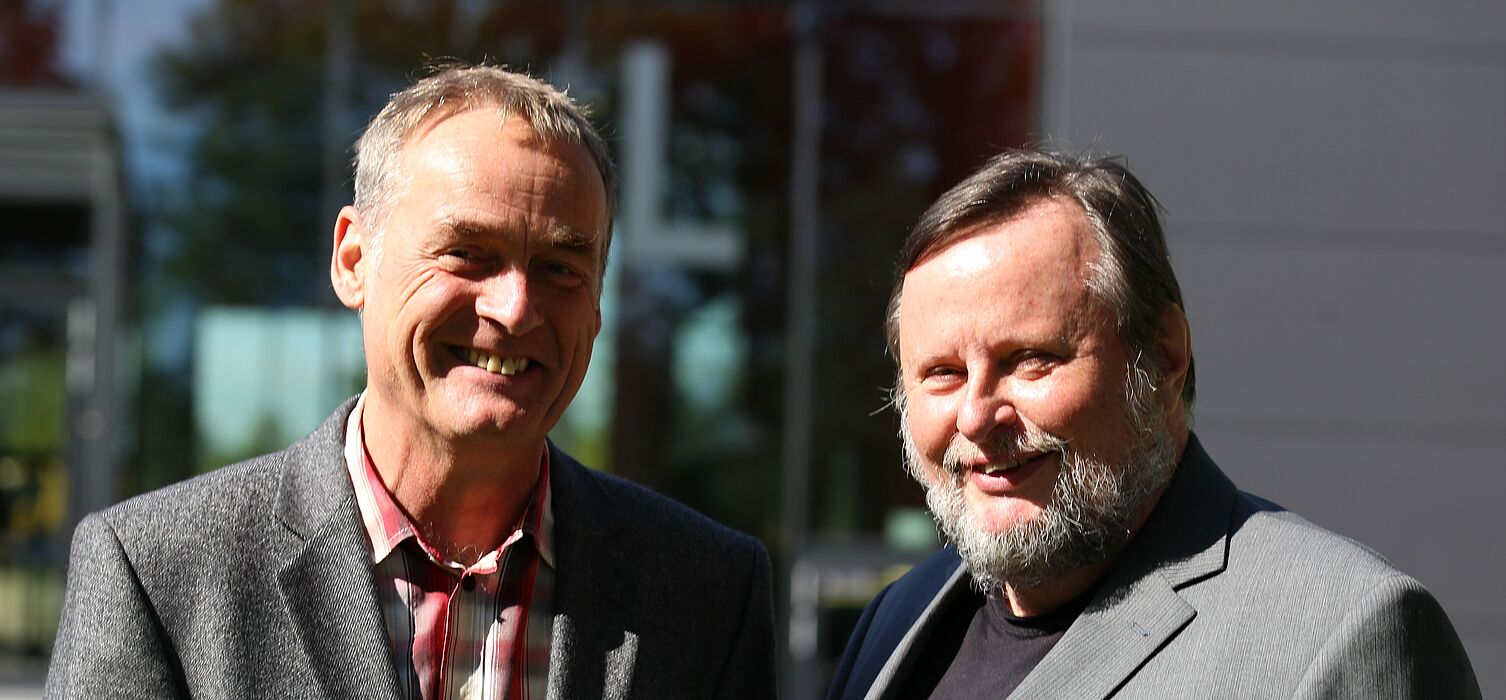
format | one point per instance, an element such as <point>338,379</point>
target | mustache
<point>962,452</point>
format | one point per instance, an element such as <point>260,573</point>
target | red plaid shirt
<point>478,631</point>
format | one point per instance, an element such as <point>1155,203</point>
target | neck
<point>1031,602</point>
<point>465,496</point>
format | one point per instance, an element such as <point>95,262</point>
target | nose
<point>505,299</point>
<point>986,406</point>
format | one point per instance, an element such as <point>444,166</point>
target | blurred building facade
<point>63,255</point>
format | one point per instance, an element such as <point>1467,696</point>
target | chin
<point>998,519</point>
<point>1000,513</point>
<point>471,418</point>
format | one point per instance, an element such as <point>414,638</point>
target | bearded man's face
<point>1024,412</point>
<point>1091,509</point>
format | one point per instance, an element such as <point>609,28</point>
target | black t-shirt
<point>979,649</point>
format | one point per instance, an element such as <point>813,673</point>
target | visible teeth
<point>993,468</point>
<point>496,365</point>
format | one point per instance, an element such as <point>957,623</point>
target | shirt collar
<point>388,526</point>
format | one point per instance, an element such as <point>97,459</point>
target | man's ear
<point>1174,345</point>
<point>348,265</point>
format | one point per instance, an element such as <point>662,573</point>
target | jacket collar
<point>594,647</point>
<point>314,485</point>
<point>331,596</point>
<point>902,660</point>
<point>327,585</point>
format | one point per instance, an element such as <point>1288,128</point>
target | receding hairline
<point>535,137</point>
<point>433,118</point>
<point>990,222</point>
<point>447,109</point>
<point>457,88</point>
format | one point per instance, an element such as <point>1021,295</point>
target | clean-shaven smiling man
<point>428,541</point>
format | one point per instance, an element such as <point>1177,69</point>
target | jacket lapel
<point>327,585</point>
<point>1138,609</point>
<point>892,676</point>
<point>1108,643</point>
<point>595,650</point>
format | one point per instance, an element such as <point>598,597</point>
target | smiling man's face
<point>1014,381</point>
<point>481,309</point>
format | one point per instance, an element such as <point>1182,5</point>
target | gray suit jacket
<point>254,581</point>
<point>1221,595</point>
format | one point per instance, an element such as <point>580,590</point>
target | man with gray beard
<point>1045,388</point>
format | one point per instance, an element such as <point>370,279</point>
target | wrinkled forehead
<point>486,144</point>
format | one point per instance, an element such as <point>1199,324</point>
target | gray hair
<point>455,89</point>
<point>1133,276</point>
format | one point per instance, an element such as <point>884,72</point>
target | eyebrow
<point>567,238</point>
<point>558,236</point>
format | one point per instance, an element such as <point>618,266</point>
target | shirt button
<point>468,583</point>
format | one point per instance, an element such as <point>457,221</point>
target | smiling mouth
<point>993,468</point>
<point>505,366</point>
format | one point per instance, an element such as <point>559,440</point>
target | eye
<point>942,375</point>
<point>1032,364</point>
<point>561,273</point>
<point>468,261</point>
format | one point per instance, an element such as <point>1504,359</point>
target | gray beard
<point>1093,503</point>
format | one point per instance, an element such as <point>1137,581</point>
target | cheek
<point>1072,407</point>
<point>1056,412</point>
<point>932,423</point>
<point>435,300</point>
<point>412,278</point>
<point>576,317</point>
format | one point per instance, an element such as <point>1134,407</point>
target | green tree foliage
<point>244,226</point>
